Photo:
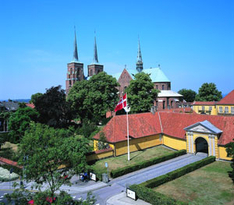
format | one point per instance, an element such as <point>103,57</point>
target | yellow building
<point>193,132</point>
<point>226,105</point>
<point>223,107</point>
<point>208,108</point>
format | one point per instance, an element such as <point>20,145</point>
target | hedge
<point>177,173</point>
<point>153,197</point>
<point>125,170</point>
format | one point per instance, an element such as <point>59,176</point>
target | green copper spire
<point>95,57</point>
<point>139,63</point>
<point>75,53</point>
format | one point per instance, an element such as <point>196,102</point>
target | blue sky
<point>193,41</point>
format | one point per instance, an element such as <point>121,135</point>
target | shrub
<point>153,197</point>
<point>6,176</point>
<point>177,173</point>
<point>125,170</point>
<point>15,169</point>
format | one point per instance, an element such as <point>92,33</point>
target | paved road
<point>103,191</point>
<point>119,184</point>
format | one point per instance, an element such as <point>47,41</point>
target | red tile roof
<point>10,162</point>
<point>140,125</point>
<point>169,123</point>
<point>174,123</point>
<point>30,105</point>
<point>204,103</point>
<point>228,99</point>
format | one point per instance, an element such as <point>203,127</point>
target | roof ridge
<point>160,122</point>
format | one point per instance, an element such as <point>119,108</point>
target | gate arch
<point>201,145</point>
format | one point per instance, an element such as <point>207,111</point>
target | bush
<point>177,173</point>
<point>125,170</point>
<point>6,176</point>
<point>153,197</point>
<point>16,170</point>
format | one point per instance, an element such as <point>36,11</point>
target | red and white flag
<point>122,103</point>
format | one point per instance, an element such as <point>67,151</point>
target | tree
<point>19,122</point>
<point>53,108</point>
<point>102,142</point>
<point>93,98</point>
<point>230,153</point>
<point>141,93</point>
<point>189,95</point>
<point>34,97</point>
<point>44,149</point>
<point>208,92</point>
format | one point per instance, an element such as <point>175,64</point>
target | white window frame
<point>226,109</point>
<point>221,109</point>
<point>210,108</point>
<point>232,110</point>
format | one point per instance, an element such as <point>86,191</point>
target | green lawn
<point>122,161</point>
<point>208,185</point>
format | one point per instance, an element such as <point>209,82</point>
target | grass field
<point>208,185</point>
<point>122,161</point>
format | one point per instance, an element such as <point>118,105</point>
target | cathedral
<point>166,99</point>
<point>75,69</point>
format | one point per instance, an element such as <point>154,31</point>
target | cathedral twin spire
<point>75,52</point>
<point>139,63</point>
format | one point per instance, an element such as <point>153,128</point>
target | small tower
<point>139,63</point>
<point>94,68</point>
<point>74,69</point>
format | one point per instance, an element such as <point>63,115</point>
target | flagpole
<point>127,110</point>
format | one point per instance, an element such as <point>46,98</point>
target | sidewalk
<point>77,186</point>
<point>122,199</point>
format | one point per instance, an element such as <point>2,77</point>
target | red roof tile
<point>10,162</point>
<point>140,125</point>
<point>204,103</point>
<point>169,123</point>
<point>30,105</point>
<point>174,123</point>
<point>228,99</point>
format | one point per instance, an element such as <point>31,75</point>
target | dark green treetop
<point>93,98</point>
<point>189,95</point>
<point>141,93</point>
<point>208,92</point>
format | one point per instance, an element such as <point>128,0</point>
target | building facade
<point>195,133</point>
<point>224,107</point>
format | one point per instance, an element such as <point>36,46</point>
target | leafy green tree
<point>93,98</point>
<point>34,97</point>
<point>53,108</point>
<point>230,153</point>
<point>102,143</point>
<point>208,92</point>
<point>19,122</point>
<point>141,93</point>
<point>189,95</point>
<point>43,150</point>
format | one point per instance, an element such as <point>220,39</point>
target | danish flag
<point>122,103</point>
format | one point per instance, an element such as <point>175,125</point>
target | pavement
<point>114,192</point>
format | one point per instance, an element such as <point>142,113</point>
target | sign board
<point>106,164</point>
<point>131,194</point>
<point>93,176</point>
